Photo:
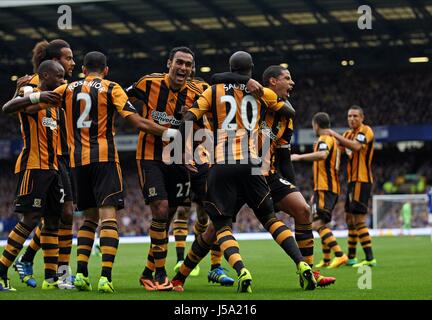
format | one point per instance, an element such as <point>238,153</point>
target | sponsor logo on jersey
<point>164,118</point>
<point>49,122</point>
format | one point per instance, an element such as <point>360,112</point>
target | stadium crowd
<point>385,102</point>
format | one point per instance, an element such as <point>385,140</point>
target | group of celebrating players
<point>69,162</point>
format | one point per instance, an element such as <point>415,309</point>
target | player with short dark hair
<point>358,144</point>
<point>164,186</point>
<point>326,160</point>
<point>90,106</point>
<point>281,178</point>
<point>56,50</point>
<point>38,192</point>
<point>232,180</point>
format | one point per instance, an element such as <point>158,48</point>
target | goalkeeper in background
<point>406,215</point>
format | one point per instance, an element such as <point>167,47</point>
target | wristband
<point>34,97</point>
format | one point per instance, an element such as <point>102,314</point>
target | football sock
<point>109,240</point>
<point>230,248</point>
<point>50,249</point>
<point>180,231</point>
<point>33,246</point>
<point>86,236</point>
<point>305,241</point>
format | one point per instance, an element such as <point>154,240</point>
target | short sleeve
<point>121,102</point>
<point>139,89</point>
<point>61,90</point>
<point>203,104</point>
<point>323,145</point>
<point>271,99</point>
<point>365,136</point>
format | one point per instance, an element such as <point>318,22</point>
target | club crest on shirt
<point>152,192</point>
<point>37,203</point>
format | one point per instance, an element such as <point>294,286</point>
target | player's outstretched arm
<point>313,156</point>
<point>253,86</point>
<point>147,126</point>
<point>354,145</point>
<point>30,103</point>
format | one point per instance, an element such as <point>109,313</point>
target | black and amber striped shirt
<point>62,147</point>
<point>326,172</point>
<point>90,106</point>
<point>39,132</point>
<point>202,85</point>
<point>162,105</point>
<point>235,116</point>
<point>359,167</point>
<point>278,129</point>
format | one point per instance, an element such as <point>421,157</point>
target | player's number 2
<point>82,122</point>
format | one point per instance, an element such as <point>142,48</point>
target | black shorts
<point>160,181</point>
<point>357,198</point>
<point>279,186</point>
<point>323,205</point>
<point>66,178</point>
<point>199,183</point>
<point>39,191</point>
<point>99,184</point>
<point>232,185</point>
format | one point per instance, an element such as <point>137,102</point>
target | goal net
<point>404,211</point>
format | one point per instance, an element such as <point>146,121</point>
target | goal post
<point>388,211</point>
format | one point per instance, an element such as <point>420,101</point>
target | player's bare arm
<point>189,116</point>
<point>313,156</point>
<point>253,86</point>
<point>30,102</point>
<point>347,143</point>
<point>146,125</point>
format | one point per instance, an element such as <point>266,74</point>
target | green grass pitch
<point>403,272</point>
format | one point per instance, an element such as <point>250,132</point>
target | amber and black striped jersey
<point>90,106</point>
<point>235,116</point>
<point>278,129</point>
<point>39,132</point>
<point>62,147</point>
<point>202,85</point>
<point>359,167</point>
<point>34,81</point>
<point>162,105</point>
<point>326,172</point>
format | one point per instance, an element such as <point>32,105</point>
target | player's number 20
<point>245,103</point>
